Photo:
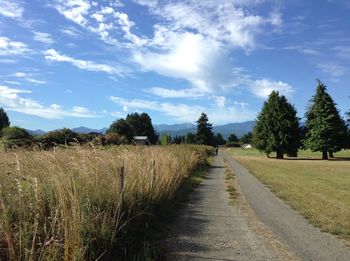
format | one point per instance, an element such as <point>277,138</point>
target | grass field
<point>68,204</point>
<point>319,190</point>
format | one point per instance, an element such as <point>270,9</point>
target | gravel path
<point>208,228</point>
<point>306,241</point>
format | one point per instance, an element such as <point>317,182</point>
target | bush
<point>16,137</point>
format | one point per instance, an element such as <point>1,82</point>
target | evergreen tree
<point>190,138</point>
<point>277,127</point>
<point>232,138</point>
<point>326,130</point>
<point>246,138</point>
<point>4,120</point>
<point>219,140</point>
<point>204,134</point>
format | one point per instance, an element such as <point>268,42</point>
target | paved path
<point>208,228</point>
<point>306,241</point>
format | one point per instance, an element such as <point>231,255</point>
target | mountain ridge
<point>177,129</point>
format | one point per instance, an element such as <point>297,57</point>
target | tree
<point>326,130</point>
<point>218,139</point>
<point>165,139</point>
<point>63,137</point>
<point>123,128</point>
<point>190,138</point>
<point>135,124</point>
<point>4,120</point>
<point>178,139</point>
<point>247,138</point>
<point>16,136</point>
<point>232,138</point>
<point>277,127</point>
<point>204,134</point>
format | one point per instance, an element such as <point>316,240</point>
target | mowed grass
<point>319,190</point>
<point>68,204</point>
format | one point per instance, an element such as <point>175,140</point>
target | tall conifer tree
<point>326,130</point>
<point>4,120</point>
<point>277,127</point>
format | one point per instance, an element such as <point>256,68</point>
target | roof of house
<point>140,138</point>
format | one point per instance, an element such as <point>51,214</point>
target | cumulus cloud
<point>192,40</point>
<point>12,9</point>
<point>12,100</point>
<point>53,55</point>
<point>263,88</point>
<point>220,111</point>
<point>74,10</point>
<point>43,37</point>
<point>8,47</point>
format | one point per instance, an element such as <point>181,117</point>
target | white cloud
<point>8,61</point>
<point>12,100</point>
<point>11,9</point>
<point>71,31</point>
<point>35,81</point>
<point>19,74</point>
<point>335,70</point>
<point>8,47</point>
<point>175,93</point>
<point>149,3</point>
<point>43,37</point>
<point>74,10</point>
<point>27,77</point>
<point>118,114</point>
<point>53,55</point>
<point>219,112</point>
<point>201,61</point>
<point>263,88</point>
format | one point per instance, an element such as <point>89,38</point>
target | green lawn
<point>318,189</point>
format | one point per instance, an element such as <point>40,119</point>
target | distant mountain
<point>36,132</point>
<point>173,127</point>
<point>86,130</point>
<point>177,129</point>
<point>182,129</point>
<point>237,128</point>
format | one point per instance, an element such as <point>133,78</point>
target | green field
<point>318,189</point>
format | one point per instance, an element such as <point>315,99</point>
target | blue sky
<point>67,63</point>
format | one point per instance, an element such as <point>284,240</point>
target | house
<point>140,140</point>
<point>247,146</point>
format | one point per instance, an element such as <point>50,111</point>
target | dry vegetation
<point>67,203</point>
<point>320,190</point>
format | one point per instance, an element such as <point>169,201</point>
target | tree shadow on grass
<point>318,159</point>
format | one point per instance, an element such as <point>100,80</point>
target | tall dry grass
<point>67,204</point>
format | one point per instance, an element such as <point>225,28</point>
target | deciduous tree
<point>135,124</point>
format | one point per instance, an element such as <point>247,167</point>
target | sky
<point>70,63</point>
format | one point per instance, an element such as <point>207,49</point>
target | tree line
<point>119,132</point>
<point>277,130</point>
<point>278,127</point>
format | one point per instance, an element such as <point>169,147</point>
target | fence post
<point>122,177</point>
<point>154,172</point>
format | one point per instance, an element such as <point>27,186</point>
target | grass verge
<point>317,189</point>
<point>230,183</point>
